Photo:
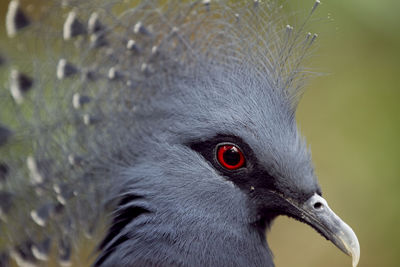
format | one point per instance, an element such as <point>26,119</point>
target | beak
<point>316,212</point>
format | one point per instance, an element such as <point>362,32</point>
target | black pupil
<point>232,157</point>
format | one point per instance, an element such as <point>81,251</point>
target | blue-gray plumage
<point>180,118</point>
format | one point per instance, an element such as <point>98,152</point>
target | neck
<point>177,236</point>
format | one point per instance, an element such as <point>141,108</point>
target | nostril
<point>318,205</point>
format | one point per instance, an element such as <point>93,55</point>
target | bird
<point>164,130</point>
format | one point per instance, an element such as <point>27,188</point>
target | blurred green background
<point>350,116</point>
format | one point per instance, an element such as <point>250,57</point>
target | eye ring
<point>230,156</point>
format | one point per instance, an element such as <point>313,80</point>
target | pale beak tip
<point>356,255</point>
<point>353,247</point>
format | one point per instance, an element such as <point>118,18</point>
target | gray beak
<point>316,212</point>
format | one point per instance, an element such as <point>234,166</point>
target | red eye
<point>230,157</point>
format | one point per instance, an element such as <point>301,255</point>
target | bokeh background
<point>350,115</point>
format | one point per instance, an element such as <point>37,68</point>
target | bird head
<point>206,141</point>
<point>193,121</point>
<point>224,146</point>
